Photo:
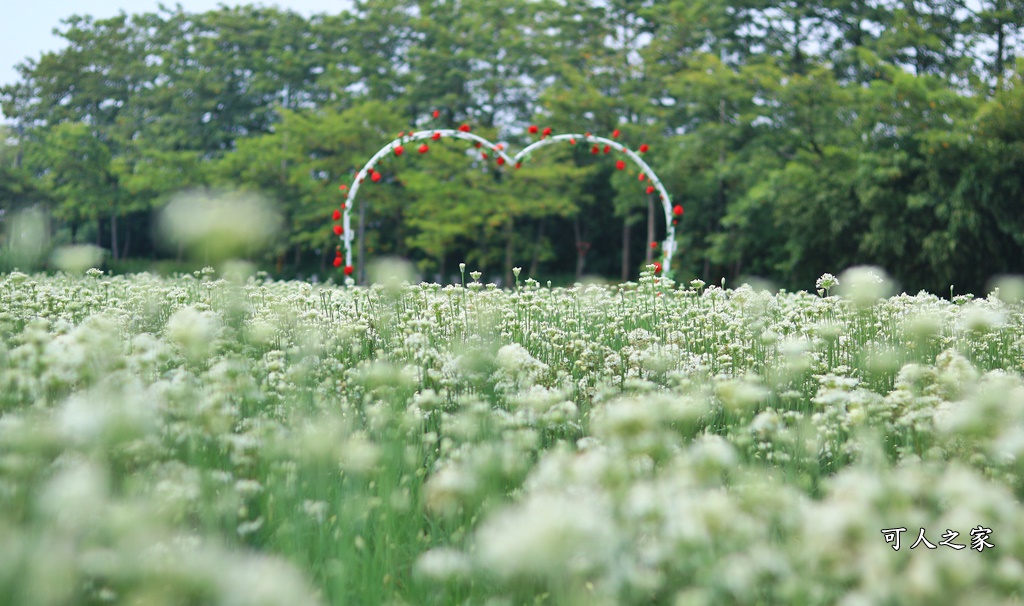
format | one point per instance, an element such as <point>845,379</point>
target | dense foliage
<point>801,137</point>
<point>195,440</point>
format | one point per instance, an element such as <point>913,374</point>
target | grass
<point>198,439</point>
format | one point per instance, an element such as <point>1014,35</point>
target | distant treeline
<point>801,137</point>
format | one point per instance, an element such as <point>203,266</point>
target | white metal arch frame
<point>347,235</point>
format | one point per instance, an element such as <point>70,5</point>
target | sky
<point>26,26</point>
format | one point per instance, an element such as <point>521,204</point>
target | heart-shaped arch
<point>396,146</point>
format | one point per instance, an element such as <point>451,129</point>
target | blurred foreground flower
<point>865,285</point>
<point>25,240</point>
<point>77,259</point>
<point>218,226</point>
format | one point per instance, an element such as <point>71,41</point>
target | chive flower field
<point>218,439</point>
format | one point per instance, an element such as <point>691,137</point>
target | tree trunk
<point>127,242</point>
<point>113,236</point>
<point>1000,50</point>
<point>361,246</point>
<point>537,246</point>
<point>649,255</point>
<point>509,250</point>
<point>581,248</point>
<point>625,248</point>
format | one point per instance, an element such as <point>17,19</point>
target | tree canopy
<point>800,137</point>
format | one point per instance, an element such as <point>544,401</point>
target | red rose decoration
<point>677,210</point>
<point>336,215</point>
<point>642,177</point>
<point>483,155</point>
<point>398,150</point>
<point>621,165</point>
<point>607,148</point>
<point>464,128</point>
<point>654,245</point>
<point>337,261</point>
<point>547,131</point>
<point>595,150</point>
<point>501,160</point>
<point>437,114</point>
<point>533,129</point>
<point>375,177</point>
<point>343,187</point>
<point>644,148</point>
<point>338,230</point>
<point>424,148</point>
<point>519,164</point>
<point>435,136</point>
<point>348,270</point>
<point>572,141</point>
<point>657,267</point>
<point>650,189</point>
<point>615,134</point>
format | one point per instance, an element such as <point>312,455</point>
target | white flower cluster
<point>194,439</point>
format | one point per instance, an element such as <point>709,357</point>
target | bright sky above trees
<point>26,27</point>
